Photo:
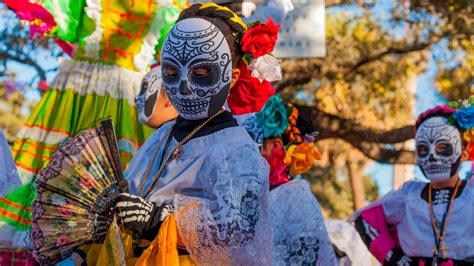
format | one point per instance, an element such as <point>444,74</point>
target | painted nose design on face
<point>432,158</point>
<point>184,89</point>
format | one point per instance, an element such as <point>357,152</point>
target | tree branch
<point>372,143</point>
<point>381,154</point>
<point>389,51</point>
<point>301,71</point>
<point>26,61</point>
<point>332,126</point>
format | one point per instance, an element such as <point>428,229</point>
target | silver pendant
<point>177,152</point>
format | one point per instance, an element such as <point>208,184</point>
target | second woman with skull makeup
<point>428,223</point>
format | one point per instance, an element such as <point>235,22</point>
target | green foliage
<point>455,78</point>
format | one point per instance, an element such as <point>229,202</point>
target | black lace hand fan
<point>76,192</point>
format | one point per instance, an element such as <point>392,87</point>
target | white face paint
<point>438,149</point>
<point>196,44</point>
<point>149,95</point>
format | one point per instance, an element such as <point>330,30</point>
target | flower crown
<point>276,119</point>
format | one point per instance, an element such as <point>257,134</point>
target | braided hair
<point>299,125</point>
<point>225,20</point>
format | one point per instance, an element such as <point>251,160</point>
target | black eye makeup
<point>422,150</point>
<point>445,149</point>
<point>205,75</point>
<point>200,71</point>
<point>170,72</point>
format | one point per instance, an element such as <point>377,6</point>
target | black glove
<point>397,257</point>
<point>141,216</point>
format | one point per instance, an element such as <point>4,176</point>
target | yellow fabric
<point>164,249</point>
<point>186,261</point>
<point>117,245</point>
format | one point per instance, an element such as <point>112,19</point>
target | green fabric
<point>66,110</point>
<point>168,16</point>
<point>24,196</point>
<point>67,113</point>
<point>68,17</point>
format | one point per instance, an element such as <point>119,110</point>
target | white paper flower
<point>266,68</point>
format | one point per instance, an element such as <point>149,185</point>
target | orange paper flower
<point>469,135</point>
<point>300,157</point>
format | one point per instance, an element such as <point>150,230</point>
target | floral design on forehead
<point>196,43</point>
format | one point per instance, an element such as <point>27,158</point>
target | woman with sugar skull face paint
<point>153,105</point>
<point>428,223</point>
<point>202,167</point>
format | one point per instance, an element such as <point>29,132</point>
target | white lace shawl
<point>219,187</point>
<point>299,233</point>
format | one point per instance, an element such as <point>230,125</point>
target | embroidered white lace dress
<point>219,189</point>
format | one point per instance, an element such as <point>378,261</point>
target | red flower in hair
<point>249,94</point>
<point>261,39</point>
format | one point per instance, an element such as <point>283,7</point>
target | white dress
<point>219,189</point>
<point>299,233</point>
<point>406,208</point>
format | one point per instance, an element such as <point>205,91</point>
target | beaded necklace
<point>175,154</point>
<point>440,236</point>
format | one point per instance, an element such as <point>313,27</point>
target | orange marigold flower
<point>301,157</point>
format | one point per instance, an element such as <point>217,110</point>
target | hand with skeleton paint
<point>141,216</point>
<point>153,105</point>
